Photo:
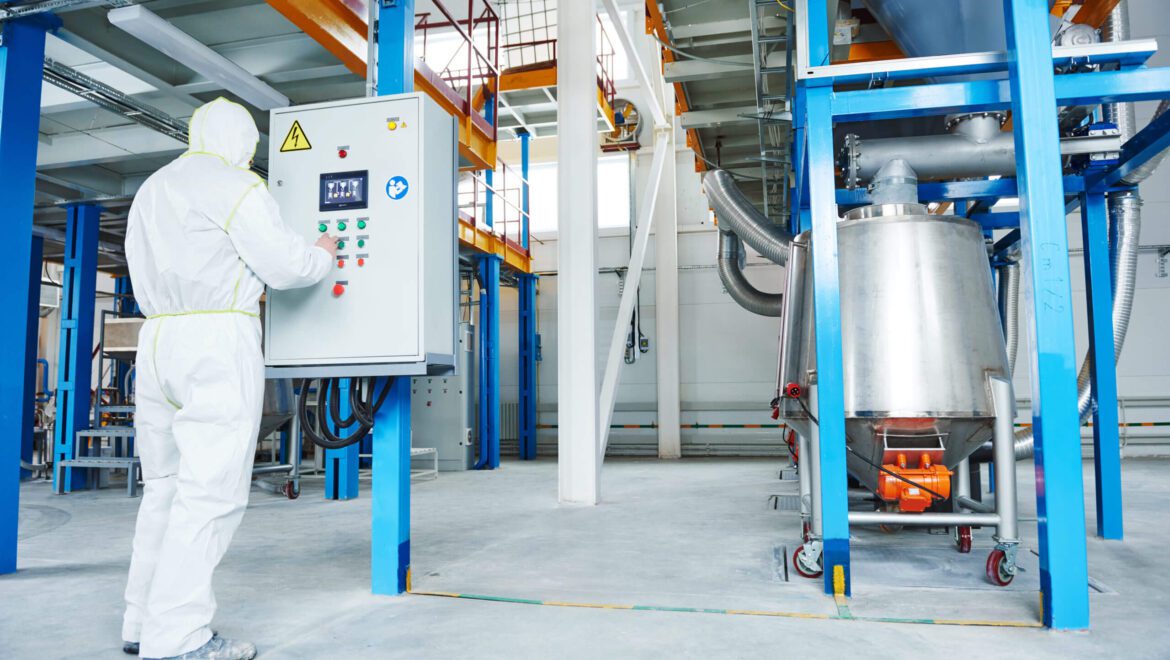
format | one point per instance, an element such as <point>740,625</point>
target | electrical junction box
<point>379,173</point>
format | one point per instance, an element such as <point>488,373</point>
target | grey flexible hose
<point>739,216</point>
<point>742,291</point>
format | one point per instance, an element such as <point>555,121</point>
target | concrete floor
<point>695,533</point>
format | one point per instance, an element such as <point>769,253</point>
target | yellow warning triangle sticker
<point>296,140</point>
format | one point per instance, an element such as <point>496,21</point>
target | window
<point>613,194</point>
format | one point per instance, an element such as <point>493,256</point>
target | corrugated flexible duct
<point>739,220</point>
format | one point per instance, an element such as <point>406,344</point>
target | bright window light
<point>613,194</point>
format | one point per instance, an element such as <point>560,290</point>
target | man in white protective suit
<point>204,237</point>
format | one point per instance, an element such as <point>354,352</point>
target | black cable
<point>866,460</point>
<point>315,420</point>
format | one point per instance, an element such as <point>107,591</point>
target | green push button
<point>340,245</point>
<point>361,242</point>
<point>361,224</point>
<point>341,226</point>
<point>322,227</point>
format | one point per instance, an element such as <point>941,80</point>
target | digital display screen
<point>344,190</point>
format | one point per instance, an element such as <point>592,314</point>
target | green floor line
<point>843,612</point>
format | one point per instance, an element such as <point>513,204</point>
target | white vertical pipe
<point>578,462</point>
<point>617,345</point>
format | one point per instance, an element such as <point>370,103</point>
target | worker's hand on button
<point>329,244</point>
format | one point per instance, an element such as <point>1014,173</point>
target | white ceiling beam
<point>106,145</point>
<point>693,70</point>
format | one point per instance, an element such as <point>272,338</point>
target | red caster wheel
<point>997,571</point>
<point>290,490</point>
<point>800,568</point>
<point>963,539</point>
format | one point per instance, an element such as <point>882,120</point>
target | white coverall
<point>204,237</point>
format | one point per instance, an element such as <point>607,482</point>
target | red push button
<point>338,289</point>
<point>361,262</point>
<point>341,263</point>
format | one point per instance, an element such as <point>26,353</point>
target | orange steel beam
<point>874,51</point>
<point>343,33</point>
<point>657,26</point>
<point>1092,12</point>
<point>485,241</point>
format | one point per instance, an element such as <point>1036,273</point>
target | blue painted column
<point>22,52</point>
<point>526,310</point>
<point>827,303</point>
<point>390,507</point>
<point>341,465</point>
<point>1103,377</point>
<point>28,412</point>
<point>822,196</point>
<point>390,526</point>
<point>1044,237</point>
<point>525,164</point>
<point>488,422</point>
<point>75,356</point>
<point>526,295</point>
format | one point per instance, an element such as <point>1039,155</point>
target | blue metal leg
<point>28,410</point>
<point>1059,483</point>
<point>341,465</point>
<point>390,536</point>
<point>75,357</point>
<point>22,51</point>
<point>526,292</point>
<point>827,302</point>
<point>1106,439</point>
<point>489,374</point>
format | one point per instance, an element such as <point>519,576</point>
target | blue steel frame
<point>390,500</point>
<point>22,52</point>
<point>526,310</point>
<point>1031,91</point>
<point>488,418</point>
<point>488,422</point>
<point>75,357</point>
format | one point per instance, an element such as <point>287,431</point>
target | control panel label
<point>397,187</point>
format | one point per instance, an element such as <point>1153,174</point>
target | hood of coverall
<point>225,129</point>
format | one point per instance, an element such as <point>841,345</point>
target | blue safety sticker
<point>397,187</point>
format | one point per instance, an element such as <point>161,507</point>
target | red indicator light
<point>338,289</point>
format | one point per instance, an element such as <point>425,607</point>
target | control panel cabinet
<point>378,173</point>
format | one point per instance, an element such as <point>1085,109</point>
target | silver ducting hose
<point>742,291</point>
<point>739,216</point>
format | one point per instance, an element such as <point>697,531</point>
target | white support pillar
<point>666,322</point>
<point>578,461</point>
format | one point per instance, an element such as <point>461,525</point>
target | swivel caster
<point>291,490</point>
<point>963,539</point>
<point>810,570</point>
<point>1000,571</point>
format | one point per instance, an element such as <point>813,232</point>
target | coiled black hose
<point>317,421</point>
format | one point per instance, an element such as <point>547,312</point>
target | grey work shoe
<point>131,648</point>
<point>218,648</point>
